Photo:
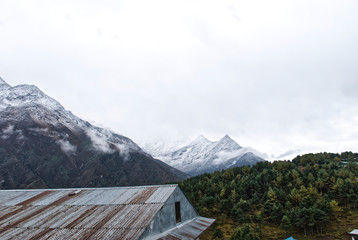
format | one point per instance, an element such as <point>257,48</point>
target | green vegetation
<point>313,195</point>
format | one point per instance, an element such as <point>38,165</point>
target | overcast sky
<point>274,75</point>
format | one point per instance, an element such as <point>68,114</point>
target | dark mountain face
<point>44,146</point>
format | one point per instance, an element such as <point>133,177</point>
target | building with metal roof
<point>354,234</point>
<point>148,212</point>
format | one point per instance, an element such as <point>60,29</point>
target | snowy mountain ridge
<point>21,95</point>
<point>38,104</point>
<point>43,145</point>
<point>203,155</point>
<point>159,146</point>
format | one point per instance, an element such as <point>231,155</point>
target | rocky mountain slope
<point>44,146</point>
<point>203,155</point>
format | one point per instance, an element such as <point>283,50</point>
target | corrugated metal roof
<point>189,230</point>
<point>88,196</point>
<point>80,213</point>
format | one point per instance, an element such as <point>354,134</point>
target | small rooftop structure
<point>147,212</point>
<point>354,234</point>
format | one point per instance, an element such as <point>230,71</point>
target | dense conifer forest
<point>312,196</point>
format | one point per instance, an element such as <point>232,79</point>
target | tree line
<point>302,195</point>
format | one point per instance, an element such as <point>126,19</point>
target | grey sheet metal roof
<point>105,213</point>
<point>188,231</point>
<point>354,232</point>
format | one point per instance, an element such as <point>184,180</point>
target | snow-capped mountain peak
<point>3,85</point>
<point>22,95</point>
<point>50,147</point>
<point>226,144</point>
<point>203,155</point>
<point>201,140</point>
<point>2,81</point>
<point>49,113</point>
<point>226,138</point>
<point>161,147</point>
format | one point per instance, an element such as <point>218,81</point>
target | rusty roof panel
<point>52,197</point>
<point>67,234</point>
<point>39,218</point>
<point>130,220</point>
<point>18,233</point>
<point>107,234</point>
<point>32,200</point>
<point>11,198</point>
<point>127,195</point>
<point>161,195</point>
<point>143,196</point>
<point>105,198</point>
<point>94,196</point>
<point>6,211</point>
<point>13,216</point>
<point>108,213</point>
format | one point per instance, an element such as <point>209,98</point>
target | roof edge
<point>101,188</point>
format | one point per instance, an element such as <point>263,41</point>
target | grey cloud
<point>9,131</point>
<point>280,78</point>
<point>66,146</point>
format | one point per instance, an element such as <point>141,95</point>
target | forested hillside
<point>313,195</point>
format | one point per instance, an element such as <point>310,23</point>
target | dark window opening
<point>177,212</point>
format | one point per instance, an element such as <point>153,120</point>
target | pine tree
<point>286,223</point>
